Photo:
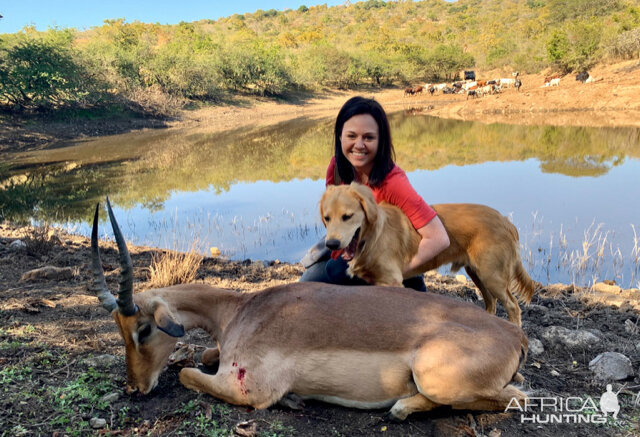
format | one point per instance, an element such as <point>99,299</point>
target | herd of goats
<point>480,88</point>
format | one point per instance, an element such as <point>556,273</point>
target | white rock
<point>535,347</point>
<point>101,361</point>
<point>631,327</point>
<point>97,423</point>
<point>611,366</point>
<point>17,244</point>
<point>110,398</point>
<point>569,338</point>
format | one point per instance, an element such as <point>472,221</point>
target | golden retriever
<point>379,240</point>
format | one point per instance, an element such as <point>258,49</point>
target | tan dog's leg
<point>498,287</point>
<point>489,299</point>
<point>406,406</point>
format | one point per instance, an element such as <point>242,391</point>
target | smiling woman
<point>364,153</point>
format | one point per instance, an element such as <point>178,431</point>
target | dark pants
<point>334,271</point>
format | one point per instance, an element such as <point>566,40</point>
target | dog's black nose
<point>332,244</point>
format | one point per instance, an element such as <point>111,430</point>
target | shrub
<point>40,70</point>
<point>626,45</point>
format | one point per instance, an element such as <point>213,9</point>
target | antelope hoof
<point>292,401</point>
<point>390,417</point>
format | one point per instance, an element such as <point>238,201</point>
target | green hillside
<point>158,68</point>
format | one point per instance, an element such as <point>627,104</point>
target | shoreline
<point>243,275</point>
<point>609,102</point>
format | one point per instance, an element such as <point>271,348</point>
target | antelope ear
<point>166,322</point>
<point>366,199</point>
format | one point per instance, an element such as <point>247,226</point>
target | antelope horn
<point>99,285</point>
<point>125,294</point>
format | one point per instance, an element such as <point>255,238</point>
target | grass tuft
<point>171,267</point>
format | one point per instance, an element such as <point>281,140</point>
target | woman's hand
<point>434,240</point>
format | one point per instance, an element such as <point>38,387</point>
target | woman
<point>364,153</point>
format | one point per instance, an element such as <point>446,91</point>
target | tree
<point>40,71</point>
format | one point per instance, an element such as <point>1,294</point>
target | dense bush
<point>41,71</point>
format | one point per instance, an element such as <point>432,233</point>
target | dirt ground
<point>62,358</point>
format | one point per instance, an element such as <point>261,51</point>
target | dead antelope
<point>363,347</point>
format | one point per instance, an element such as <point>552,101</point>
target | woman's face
<point>359,140</point>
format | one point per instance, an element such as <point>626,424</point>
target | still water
<point>253,193</point>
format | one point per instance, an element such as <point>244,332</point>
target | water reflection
<point>254,192</point>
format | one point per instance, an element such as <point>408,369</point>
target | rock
<point>630,327</point>
<point>557,289</point>
<point>555,373</point>
<point>559,336</point>
<point>97,423</point>
<point>48,272</point>
<point>110,398</point>
<point>102,361</point>
<point>611,366</point>
<point>535,347</point>
<point>461,279</point>
<point>17,245</point>
<point>601,287</point>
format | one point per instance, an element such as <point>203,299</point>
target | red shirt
<point>396,190</point>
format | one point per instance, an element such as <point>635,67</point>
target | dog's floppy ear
<point>368,202</point>
<point>329,189</point>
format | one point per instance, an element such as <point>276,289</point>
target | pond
<point>253,193</point>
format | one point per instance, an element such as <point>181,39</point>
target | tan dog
<point>379,240</point>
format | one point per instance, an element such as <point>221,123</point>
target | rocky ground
<point>63,367</point>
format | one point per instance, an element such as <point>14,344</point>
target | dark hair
<point>384,161</point>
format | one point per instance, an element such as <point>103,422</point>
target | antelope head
<point>146,323</point>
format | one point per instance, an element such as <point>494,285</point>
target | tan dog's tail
<point>521,284</point>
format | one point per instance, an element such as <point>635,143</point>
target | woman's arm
<point>434,240</point>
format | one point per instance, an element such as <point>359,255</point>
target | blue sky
<point>86,13</point>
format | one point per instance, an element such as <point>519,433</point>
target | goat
<point>440,86</point>
<point>517,84</point>
<point>506,83</point>
<point>582,76</point>
<point>472,94</point>
<point>408,91</point>
<point>417,90</point>
<point>554,82</point>
<point>364,347</point>
<point>548,79</point>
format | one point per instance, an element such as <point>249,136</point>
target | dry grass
<point>39,240</point>
<point>171,267</point>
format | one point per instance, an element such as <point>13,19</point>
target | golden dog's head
<point>347,211</point>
